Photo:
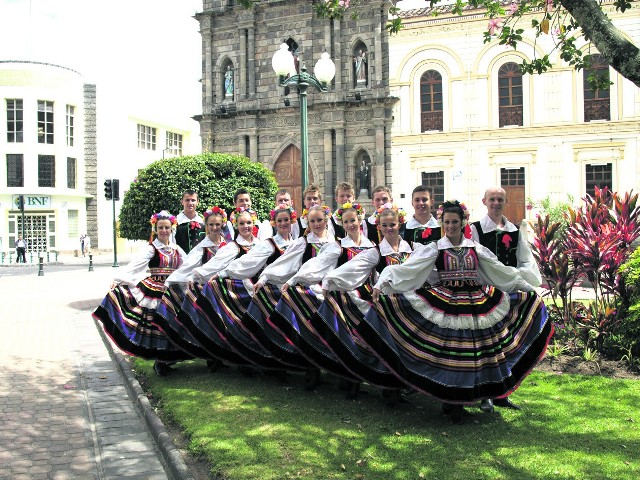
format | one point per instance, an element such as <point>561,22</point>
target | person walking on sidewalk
<point>21,248</point>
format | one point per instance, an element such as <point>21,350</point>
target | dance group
<point>437,306</point>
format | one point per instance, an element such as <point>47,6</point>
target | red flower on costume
<point>467,231</point>
<point>194,225</point>
<point>255,231</point>
<point>426,233</point>
<point>506,240</point>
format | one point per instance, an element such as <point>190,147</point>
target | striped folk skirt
<point>128,315</point>
<point>460,343</point>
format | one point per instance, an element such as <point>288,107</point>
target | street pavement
<point>70,407</point>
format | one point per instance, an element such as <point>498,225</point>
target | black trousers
<point>21,251</point>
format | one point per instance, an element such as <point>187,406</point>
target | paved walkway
<point>69,406</point>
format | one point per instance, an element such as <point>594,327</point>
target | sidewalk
<point>69,406</point>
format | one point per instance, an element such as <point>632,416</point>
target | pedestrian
<point>464,339</point>
<point>21,248</point>
<point>82,243</point>
<point>87,244</point>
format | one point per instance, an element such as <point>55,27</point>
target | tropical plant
<point>597,242</point>
<point>214,176</point>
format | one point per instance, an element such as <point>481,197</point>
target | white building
<point>467,119</point>
<point>59,141</point>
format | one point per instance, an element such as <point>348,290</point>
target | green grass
<point>571,427</point>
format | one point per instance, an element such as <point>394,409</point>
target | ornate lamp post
<point>283,64</point>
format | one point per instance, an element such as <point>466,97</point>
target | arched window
<point>510,94</point>
<point>431,101</point>
<point>596,100</point>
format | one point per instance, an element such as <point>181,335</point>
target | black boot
<point>312,378</point>
<point>486,405</point>
<point>506,403</point>
<point>161,368</point>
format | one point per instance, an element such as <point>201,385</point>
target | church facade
<point>245,110</point>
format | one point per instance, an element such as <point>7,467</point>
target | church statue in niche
<point>360,68</point>
<point>228,82</point>
<point>364,179</point>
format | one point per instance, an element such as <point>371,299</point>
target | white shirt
<point>185,273</point>
<point>250,264</point>
<point>415,272</point>
<point>355,272</point>
<point>527,266</point>
<point>314,270</point>
<point>224,257</point>
<point>138,268</point>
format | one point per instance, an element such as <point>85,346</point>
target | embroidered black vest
<point>415,235</point>
<point>338,230</point>
<point>348,253</point>
<point>503,244</point>
<point>393,259</point>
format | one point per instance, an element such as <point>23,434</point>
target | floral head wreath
<point>162,215</point>
<point>453,203</point>
<point>240,210</point>
<point>327,211</point>
<point>215,211</point>
<point>388,206</point>
<point>350,206</point>
<point>273,213</point>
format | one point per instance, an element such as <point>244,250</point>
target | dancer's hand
<point>257,287</point>
<point>284,288</point>
<point>375,295</point>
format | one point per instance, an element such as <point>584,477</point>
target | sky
<point>145,51</point>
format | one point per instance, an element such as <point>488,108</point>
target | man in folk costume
<point>190,230</point>
<point>509,243</point>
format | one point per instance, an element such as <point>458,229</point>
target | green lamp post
<point>283,64</point>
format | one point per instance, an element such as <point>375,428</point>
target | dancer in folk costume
<point>302,293</point>
<point>268,288</point>
<point>465,338</point>
<point>169,308</point>
<point>422,227</point>
<point>380,196</point>
<point>190,230</point>
<point>348,298</point>
<point>233,287</point>
<point>510,244</point>
<point>128,312</point>
<point>194,316</point>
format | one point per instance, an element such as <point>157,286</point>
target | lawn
<point>259,427</point>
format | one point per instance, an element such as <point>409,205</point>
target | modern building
<point>467,119</point>
<point>58,143</point>
<point>245,111</point>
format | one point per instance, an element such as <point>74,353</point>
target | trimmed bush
<point>214,176</point>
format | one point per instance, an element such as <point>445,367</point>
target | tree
<point>565,20</point>
<point>214,176</point>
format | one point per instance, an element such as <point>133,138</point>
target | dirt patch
<point>577,365</point>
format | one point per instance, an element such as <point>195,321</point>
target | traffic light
<point>108,189</point>
<point>116,189</point>
<point>20,202</point>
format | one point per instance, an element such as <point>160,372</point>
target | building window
<point>598,176</point>
<point>174,143</point>
<point>72,222</point>
<point>146,137</point>
<point>45,122</point>
<point>71,172</point>
<point>15,170</point>
<point>512,177</point>
<point>14,120</point>
<point>46,171</point>
<point>71,112</point>
<point>431,101</point>
<point>510,94</point>
<point>596,101</point>
<point>435,180</point>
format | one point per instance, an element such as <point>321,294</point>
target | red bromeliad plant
<point>597,242</point>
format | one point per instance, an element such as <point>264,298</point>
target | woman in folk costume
<point>232,288</point>
<point>273,278</point>
<point>168,318</point>
<point>302,293</point>
<point>348,298</point>
<point>193,314</point>
<point>128,312</point>
<point>465,338</point>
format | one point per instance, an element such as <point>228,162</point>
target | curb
<point>177,467</point>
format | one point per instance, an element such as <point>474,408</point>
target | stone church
<point>245,111</point>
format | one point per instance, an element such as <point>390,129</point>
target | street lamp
<point>283,64</point>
